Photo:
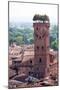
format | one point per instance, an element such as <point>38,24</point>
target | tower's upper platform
<point>41,18</point>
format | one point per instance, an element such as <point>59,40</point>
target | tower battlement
<point>41,20</point>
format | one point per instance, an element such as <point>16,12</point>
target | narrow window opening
<point>39,60</point>
<point>29,73</point>
<point>37,47</point>
<point>40,37</point>
<point>37,28</point>
<point>42,47</point>
<point>30,61</point>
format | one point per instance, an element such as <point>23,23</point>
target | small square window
<point>30,61</point>
<point>40,37</point>
<point>37,47</point>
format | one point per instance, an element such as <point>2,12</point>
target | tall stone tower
<point>41,45</point>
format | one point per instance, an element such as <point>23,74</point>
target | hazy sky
<point>24,12</point>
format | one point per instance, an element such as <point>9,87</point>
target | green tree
<point>31,41</point>
<point>19,40</point>
<point>55,45</point>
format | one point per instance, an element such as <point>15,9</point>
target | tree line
<point>25,36</point>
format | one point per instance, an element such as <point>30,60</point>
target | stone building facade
<point>41,46</point>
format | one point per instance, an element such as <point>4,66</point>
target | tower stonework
<point>41,45</point>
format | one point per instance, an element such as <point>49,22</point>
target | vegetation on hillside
<point>21,36</point>
<point>25,36</point>
<point>54,38</point>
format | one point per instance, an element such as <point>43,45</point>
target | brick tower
<point>41,45</point>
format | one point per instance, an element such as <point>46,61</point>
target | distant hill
<point>21,33</point>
